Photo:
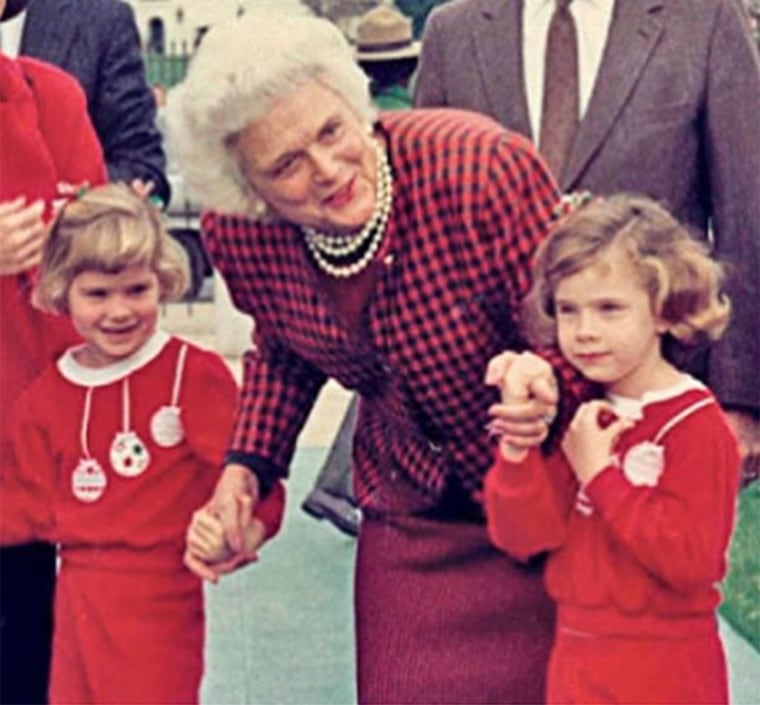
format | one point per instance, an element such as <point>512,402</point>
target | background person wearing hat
<point>387,52</point>
<point>46,141</point>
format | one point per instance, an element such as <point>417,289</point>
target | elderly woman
<point>389,254</point>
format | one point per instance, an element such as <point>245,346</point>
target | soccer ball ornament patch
<point>129,455</point>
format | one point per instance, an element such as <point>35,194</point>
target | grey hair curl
<point>238,70</point>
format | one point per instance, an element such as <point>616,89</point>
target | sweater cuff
<point>608,489</point>
<point>271,510</point>
<point>267,473</point>
<point>516,474</point>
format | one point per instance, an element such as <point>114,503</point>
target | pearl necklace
<point>344,255</point>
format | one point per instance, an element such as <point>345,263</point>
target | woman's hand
<point>529,401</point>
<point>22,235</point>
<point>232,504</point>
<point>208,554</point>
<point>588,441</point>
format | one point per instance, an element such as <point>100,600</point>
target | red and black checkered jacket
<point>470,203</point>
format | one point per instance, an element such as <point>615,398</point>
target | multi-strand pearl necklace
<point>343,255</point>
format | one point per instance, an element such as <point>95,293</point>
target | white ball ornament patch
<point>643,464</point>
<point>166,427</point>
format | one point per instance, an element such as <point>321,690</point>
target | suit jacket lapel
<point>497,42</point>
<point>634,32</point>
<point>49,30</point>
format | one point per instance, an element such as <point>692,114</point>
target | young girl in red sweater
<point>117,443</point>
<point>637,507</point>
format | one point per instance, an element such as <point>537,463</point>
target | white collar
<point>534,6</point>
<point>100,376</point>
<point>630,408</point>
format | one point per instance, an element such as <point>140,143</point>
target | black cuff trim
<point>267,473</point>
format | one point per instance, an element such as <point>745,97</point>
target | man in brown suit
<point>671,109</point>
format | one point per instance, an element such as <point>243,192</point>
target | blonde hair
<point>238,70</point>
<point>683,282</point>
<point>108,229</point>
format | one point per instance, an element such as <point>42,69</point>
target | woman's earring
<point>260,209</point>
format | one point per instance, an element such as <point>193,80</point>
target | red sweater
<point>50,497</point>
<point>637,551</point>
<point>45,138</point>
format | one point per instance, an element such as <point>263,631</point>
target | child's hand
<point>205,537</point>
<point>208,553</point>
<point>529,402</point>
<point>589,440</point>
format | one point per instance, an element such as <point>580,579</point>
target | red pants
<point>127,637</point>
<point>637,670</point>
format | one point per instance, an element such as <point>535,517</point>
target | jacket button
<point>435,447</point>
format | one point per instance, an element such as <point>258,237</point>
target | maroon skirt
<point>443,617</point>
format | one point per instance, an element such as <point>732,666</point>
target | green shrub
<point>741,589</point>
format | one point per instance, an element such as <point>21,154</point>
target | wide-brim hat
<point>13,8</point>
<point>385,34</point>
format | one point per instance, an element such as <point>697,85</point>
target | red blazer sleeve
<point>527,504</point>
<point>279,386</point>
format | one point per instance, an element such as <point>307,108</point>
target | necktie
<point>560,109</point>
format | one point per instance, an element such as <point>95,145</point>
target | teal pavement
<point>281,631</point>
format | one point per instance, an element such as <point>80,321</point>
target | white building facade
<point>175,26</point>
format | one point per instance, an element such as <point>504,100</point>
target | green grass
<point>741,589</point>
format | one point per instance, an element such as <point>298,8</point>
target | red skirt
<point>443,617</point>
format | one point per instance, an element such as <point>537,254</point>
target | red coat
<point>45,138</point>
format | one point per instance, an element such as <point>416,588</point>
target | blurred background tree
<point>418,10</point>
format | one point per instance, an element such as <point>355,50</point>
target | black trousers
<point>27,586</point>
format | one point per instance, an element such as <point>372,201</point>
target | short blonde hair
<point>108,229</point>
<point>238,70</point>
<point>683,282</point>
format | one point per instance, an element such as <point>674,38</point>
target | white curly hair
<point>237,71</point>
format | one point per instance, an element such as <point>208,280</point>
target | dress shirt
<point>592,21</point>
<point>10,35</point>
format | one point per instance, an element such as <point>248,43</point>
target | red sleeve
<point>527,504</point>
<point>27,481</point>
<point>208,399</point>
<point>65,124</point>
<point>270,511</point>
<point>679,529</point>
<point>279,386</point>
